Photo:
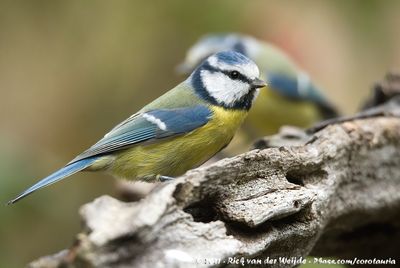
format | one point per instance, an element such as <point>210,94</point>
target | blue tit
<point>176,132</point>
<point>291,97</point>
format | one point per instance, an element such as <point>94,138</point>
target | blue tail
<point>60,174</point>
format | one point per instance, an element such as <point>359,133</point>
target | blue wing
<point>150,125</point>
<point>155,124</point>
<point>301,88</point>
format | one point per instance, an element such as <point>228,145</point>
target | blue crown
<point>232,58</point>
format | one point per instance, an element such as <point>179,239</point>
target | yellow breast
<point>174,156</point>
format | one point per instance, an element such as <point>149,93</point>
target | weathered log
<point>337,195</point>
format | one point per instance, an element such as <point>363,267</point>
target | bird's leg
<point>162,178</point>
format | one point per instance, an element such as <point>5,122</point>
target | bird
<point>176,132</point>
<point>291,97</point>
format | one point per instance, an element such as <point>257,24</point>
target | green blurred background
<point>70,70</point>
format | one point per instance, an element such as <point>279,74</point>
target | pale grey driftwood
<point>337,194</point>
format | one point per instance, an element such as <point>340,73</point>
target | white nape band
<point>152,119</point>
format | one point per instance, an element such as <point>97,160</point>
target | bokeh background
<point>70,70</point>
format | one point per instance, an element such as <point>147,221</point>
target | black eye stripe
<point>233,74</point>
<point>240,77</point>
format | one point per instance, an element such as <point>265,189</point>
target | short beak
<point>183,68</point>
<point>258,83</point>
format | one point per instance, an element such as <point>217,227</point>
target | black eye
<point>234,74</point>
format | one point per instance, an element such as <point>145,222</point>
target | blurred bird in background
<point>291,99</point>
<point>178,131</point>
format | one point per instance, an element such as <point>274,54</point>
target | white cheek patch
<point>152,119</point>
<point>222,88</point>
